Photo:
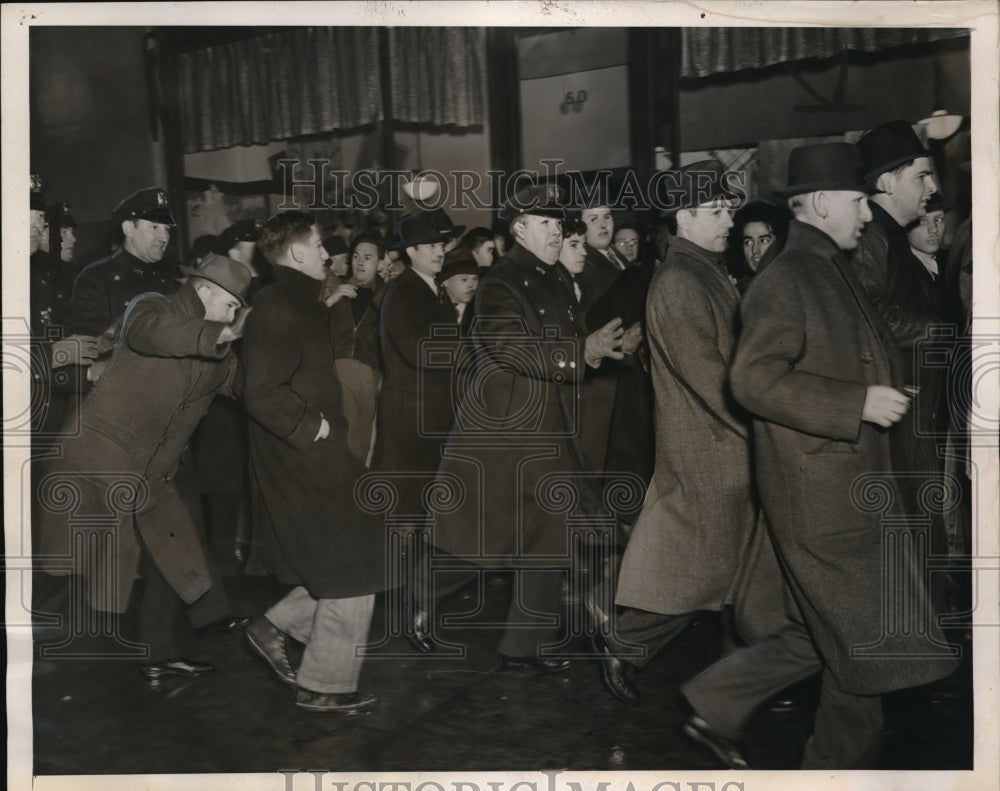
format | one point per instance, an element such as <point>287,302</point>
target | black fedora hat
<point>546,199</point>
<point>458,262</point>
<point>425,227</point>
<point>888,146</point>
<point>700,183</point>
<point>225,272</point>
<point>825,166</point>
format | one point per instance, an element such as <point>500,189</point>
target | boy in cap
<point>131,431</point>
<point>459,277</point>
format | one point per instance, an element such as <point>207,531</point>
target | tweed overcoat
<point>134,424</point>
<point>519,421</point>
<point>811,345</point>
<point>698,515</point>
<point>415,407</point>
<point>309,529</point>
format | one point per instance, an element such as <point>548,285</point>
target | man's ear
<point>128,227</point>
<point>295,251</point>
<point>886,182</point>
<point>683,218</point>
<point>411,251</point>
<point>820,204</point>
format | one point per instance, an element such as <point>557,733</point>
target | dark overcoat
<point>698,515</point>
<point>811,345</point>
<point>134,424</point>
<point>309,530</point>
<point>517,423</point>
<point>415,407</point>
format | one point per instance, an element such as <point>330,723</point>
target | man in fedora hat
<point>172,357</point>
<point>518,428</point>
<point>310,532</point>
<point>910,298</point>
<point>815,366</point>
<point>684,550</point>
<point>415,408</point>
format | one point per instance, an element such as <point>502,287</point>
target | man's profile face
<point>706,226</point>
<point>461,288</point>
<point>928,234</point>
<point>911,188</point>
<point>627,243</point>
<point>310,255</point>
<point>146,240</point>
<point>600,226</point>
<point>427,259</point>
<point>243,252</point>
<point>756,238</point>
<point>338,264</point>
<point>37,227</point>
<point>220,305</point>
<point>846,215</point>
<point>540,236</point>
<point>67,241</point>
<point>483,254</point>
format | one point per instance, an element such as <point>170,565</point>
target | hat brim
<point>873,174</point>
<point>558,213</point>
<point>190,271</point>
<point>464,269</point>
<point>802,189</point>
<point>430,238</point>
<point>161,217</point>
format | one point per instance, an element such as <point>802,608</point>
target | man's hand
<point>632,338</point>
<point>605,342</point>
<point>96,369</point>
<point>341,291</point>
<point>324,430</point>
<point>235,330</point>
<point>75,350</point>
<point>884,405</point>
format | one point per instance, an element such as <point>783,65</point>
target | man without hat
<point>816,367</point>
<point>415,409</point>
<point>696,521</point>
<point>172,357</point>
<point>910,298</point>
<point>310,532</point>
<point>518,429</point>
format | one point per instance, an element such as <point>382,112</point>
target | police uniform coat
<point>698,515</point>
<point>516,426</point>
<point>812,343</point>
<point>415,408</point>
<point>309,529</point>
<point>134,424</point>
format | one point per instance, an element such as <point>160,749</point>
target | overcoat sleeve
<point>89,309</point>
<point>505,331</point>
<point>767,379</point>
<point>691,345</point>
<point>155,329</point>
<point>272,353</point>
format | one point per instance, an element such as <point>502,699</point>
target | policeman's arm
<point>682,332</point>
<point>89,311</point>
<point>765,376</point>
<point>153,328</point>
<point>271,354</point>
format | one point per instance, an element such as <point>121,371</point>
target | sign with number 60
<point>573,101</point>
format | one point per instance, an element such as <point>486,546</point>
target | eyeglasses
<point>627,243</point>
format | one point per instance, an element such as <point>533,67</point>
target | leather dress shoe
<point>334,701</point>
<point>419,632</point>
<point>270,643</point>
<point>223,625</point>
<point>700,732</point>
<point>180,666</point>
<point>536,663</point>
<point>615,673</point>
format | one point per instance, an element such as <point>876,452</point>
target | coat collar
<point>300,285</point>
<point>521,257</point>
<point>882,218</point>
<point>690,249</point>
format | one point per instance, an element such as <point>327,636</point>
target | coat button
<point>561,363</point>
<point>572,364</point>
<point>867,357</point>
<point>541,311</point>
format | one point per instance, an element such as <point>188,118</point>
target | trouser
<point>159,607</point>
<point>534,612</point>
<point>650,631</point>
<point>333,631</point>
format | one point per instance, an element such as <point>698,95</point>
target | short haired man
<point>517,429</point>
<point>814,364</point>
<point>310,532</point>
<point>182,342</point>
<point>481,243</point>
<point>686,546</point>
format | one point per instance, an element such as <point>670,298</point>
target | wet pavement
<point>436,712</point>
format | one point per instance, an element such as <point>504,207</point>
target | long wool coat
<point>309,529</point>
<point>134,424</point>
<point>812,343</point>
<point>698,515</point>
<point>518,422</point>
<point>416,406</point>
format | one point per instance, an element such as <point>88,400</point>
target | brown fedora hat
<point>826,166</point>
<point>225,272</point>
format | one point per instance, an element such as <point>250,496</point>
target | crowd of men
<point>741,377</point>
